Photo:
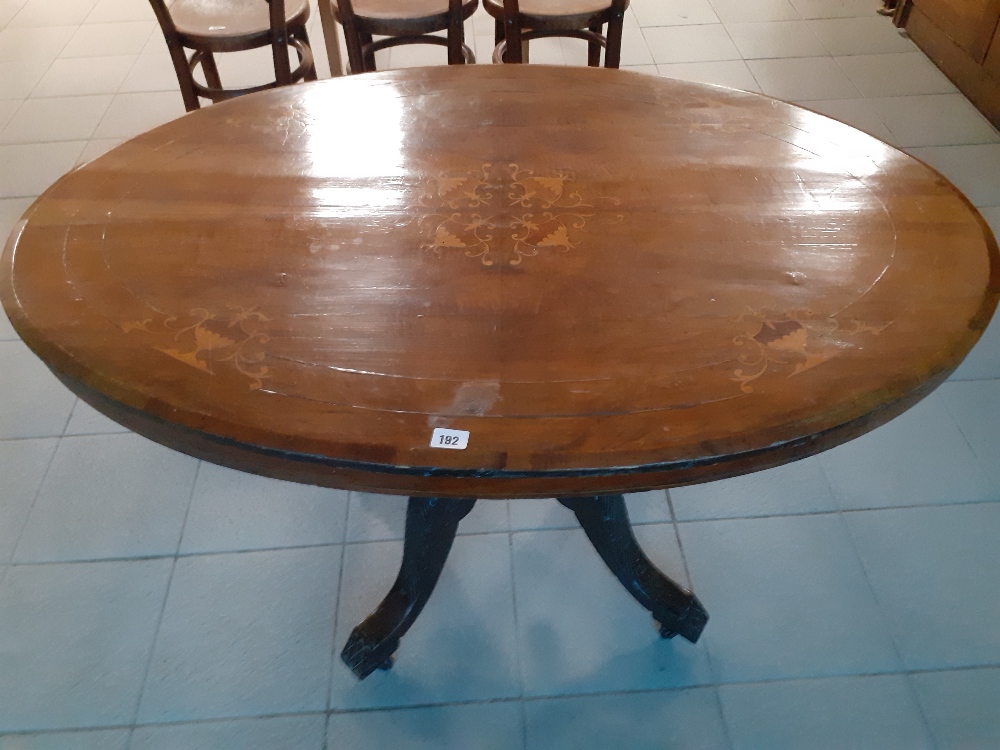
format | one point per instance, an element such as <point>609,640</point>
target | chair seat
<point>554,8</point>
<point>400,9</point>
<point>228,18</point>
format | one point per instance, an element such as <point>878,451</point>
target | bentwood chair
<point>519,21</point>
<point>402,22</point>
<point>233,26</point>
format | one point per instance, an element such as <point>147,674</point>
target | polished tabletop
<point>600,281</point>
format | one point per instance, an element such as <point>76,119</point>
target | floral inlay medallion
<point>205,340</point>
<point>794,341</point>
<point>502,214</point>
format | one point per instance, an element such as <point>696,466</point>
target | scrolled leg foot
<point>431,524</point>
<point>605,521</point>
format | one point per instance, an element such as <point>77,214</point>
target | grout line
<point>326,731</point>
<point>491,701</point>
<point>336,612</point>
<point>163,609</point>
<point>984,463</point>
<point>72,411</point>
<point>835,511</point>
<point>152,652</point>
<point>723,721</point>
<point>517,634</point>
<point>187,511</point>
<point>708,655</point>
<point>886,624</point>
<point>73,408</point>
<point>210,553</point>
<point>54,58</point>
<point>915,695</point>
<point>684,562</point>
<point>34,500</point>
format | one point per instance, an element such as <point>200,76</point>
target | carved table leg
<point>606,523</point>
<point>431,524</point>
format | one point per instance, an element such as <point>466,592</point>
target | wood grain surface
<point>611,281</point>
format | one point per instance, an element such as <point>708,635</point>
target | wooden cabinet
<point>961,38</point>
<point>970,24</point>
<point>992,62</point>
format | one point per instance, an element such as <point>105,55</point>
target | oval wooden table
<point>497,282</point>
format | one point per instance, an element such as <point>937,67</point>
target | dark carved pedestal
<point>605,521</point>
<point>431,524</point>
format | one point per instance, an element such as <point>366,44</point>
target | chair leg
<point>369,56</point>
<point>498,33</point>
<point>183,70</point>
<point>352,38</point>
<point>613,50</point>
<point>211,71</point>
<point>456,39</point>
<point>331,39</point>
<point>301,34</point>
<point>594,48</point>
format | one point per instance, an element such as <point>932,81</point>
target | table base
<point>431,525</point>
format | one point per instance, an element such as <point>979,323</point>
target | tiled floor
<point>149,601</point>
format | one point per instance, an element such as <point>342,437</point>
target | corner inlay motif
<point>203,340</point>
<point>502,214</point>
<point>796,340</point>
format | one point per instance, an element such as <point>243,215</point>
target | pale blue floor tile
<point>932,120</point>
<point>799,487</point>
<point>877,712</point>
<point>35,404</point>
<point>580,631</point>
<point>463,645</point>
<point>7,332</point>
<point>984,359</point>
<point>919,458</point>
<point>86,420</point>
<point>934,571</point>
<point>477,726</point>
<point>91,739</point>
<point>244,634</point>
<point>648,507</point>
<point>976,408</point>
<point>75,640</point>
<point>787,598</point>
<point>22,466</point>
<point>232,511</point>
<point>675,719</point>
<point>870,35</point>
<point>659,542</point>
<point>108,496</point>
<point>11,211</point>
<point>972,169</point>
<point>992,216</point>
<point>279,733</point>
<point>379,518</point>
<point>961,707</point>
<point>534,513</point>
<point>547,513</point>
